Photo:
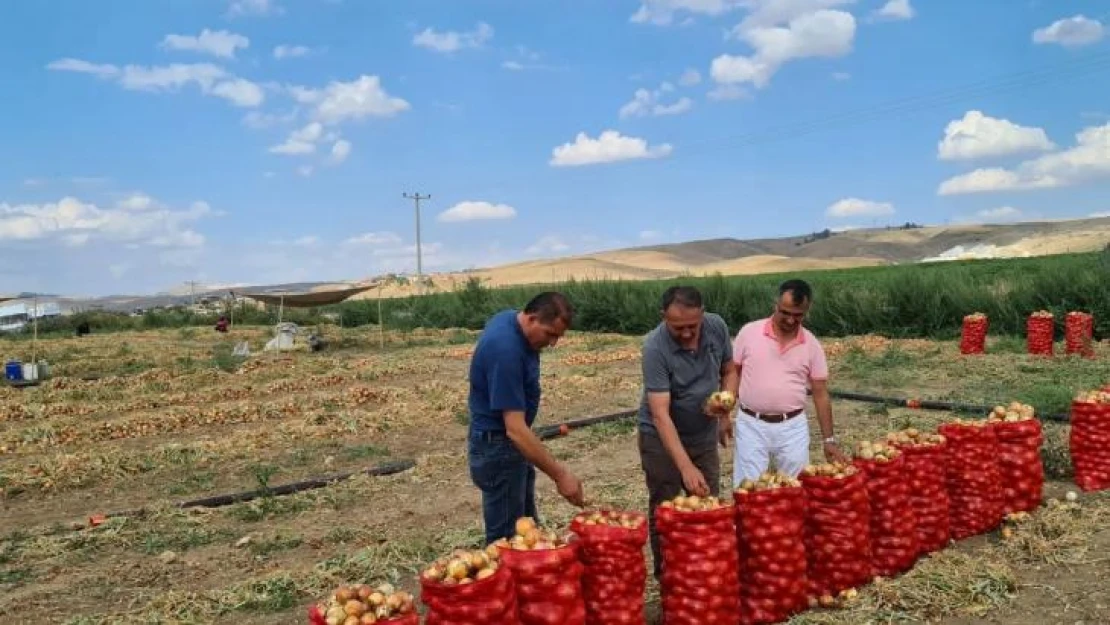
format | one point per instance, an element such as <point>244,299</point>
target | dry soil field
<point>172,418</point>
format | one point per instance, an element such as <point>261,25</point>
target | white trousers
<point>758,443</point>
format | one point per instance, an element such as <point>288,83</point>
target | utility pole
<point>416,197</point>
<point>192,292</point>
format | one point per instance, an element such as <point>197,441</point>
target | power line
<point>1092,64</point>
<point>192,284</point>
<point>416,197</point>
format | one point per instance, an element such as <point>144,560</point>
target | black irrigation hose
<point>552,431</point>
<point>217,501</point>
<point>929,404</point>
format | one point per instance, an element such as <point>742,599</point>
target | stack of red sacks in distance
<point>974,479</point>
<point>1079,329</point>
<point>700,583</point>
<point>894,545</point>
<point>838,529</point>
<point>612,550</point>
<point>547,575</point>
<point>1019,437</point>
<point>925,455</point>
<point>770,524</point>
<point>1040,329</point>
<point>973,339</point>
<point>1090,439</point>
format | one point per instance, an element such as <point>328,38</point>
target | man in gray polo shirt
<point>685,359</point>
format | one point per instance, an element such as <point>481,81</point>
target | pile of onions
<point>362,604</point>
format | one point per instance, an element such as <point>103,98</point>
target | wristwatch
<point>831,440</point>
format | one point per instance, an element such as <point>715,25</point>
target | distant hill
<point>728,256</point>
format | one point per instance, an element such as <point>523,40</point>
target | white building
<point>15,316</point>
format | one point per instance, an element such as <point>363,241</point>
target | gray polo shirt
<point>690,376</point>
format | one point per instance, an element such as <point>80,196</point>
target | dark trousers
<point>664,481</point>
<point>507,481</point>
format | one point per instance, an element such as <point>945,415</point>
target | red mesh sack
<point>1078,331</point>
<point>927,476</point>
<point>770,526</point>
<point>1039,331</point>
<point>489,600</point>
<point>894,545</point>
<point>615,570</point>
<point>973,339</point>
<point>548,584</point>
<point>1019,437</point>
<point>701,581</point>
<point>838,531</point>
<point>974,481</point>
<point>1089,441</point>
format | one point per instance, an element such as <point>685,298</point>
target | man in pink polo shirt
<point>776,360</point>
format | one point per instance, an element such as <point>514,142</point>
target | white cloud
<point>305,170</point>
<point>375,238</point>
<point>650,235</point>
<point>1002,213</point>
<point>610,146</point>
<point>210,79</point>
<point>895,10</point>
<point>301,141</point>
<point>34,182</point>
<point>662,12</point>
<point>220,43</point>
<point>1088,160</point>
<point>259,8</point>
<point>1074,31</point>
<point>340,150</point>
<point>690,77</point>
<point>259,120</point>
<point>722,93</point>
<point>841,76</point>
<point>779,31</point>
<point>548,245</point>
<point>980,136</point>
<point>137,219</point>
<point>452,41</point>
<point>350,101</point>
<point>290,52</point>
<point>474,211</point>
<point>515,66</point>
<point>647,103</point>
<point>855,207</point>
<point>306,241</point>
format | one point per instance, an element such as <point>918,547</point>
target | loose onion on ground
<point>362,604</point>
<point>693,503</point>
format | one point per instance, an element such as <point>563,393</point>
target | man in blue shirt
<point>504,399</point>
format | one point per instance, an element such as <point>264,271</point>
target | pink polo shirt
<point>774,379</point>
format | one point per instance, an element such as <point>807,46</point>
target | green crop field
<point>919,300</point>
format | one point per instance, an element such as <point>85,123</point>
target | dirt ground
<point>172,417</point>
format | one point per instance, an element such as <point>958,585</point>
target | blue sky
<point>261,141</point>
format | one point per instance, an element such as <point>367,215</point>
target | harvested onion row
<point>363,605</point>
<point>877,451</point>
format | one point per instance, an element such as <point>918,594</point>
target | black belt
<point>490,436</point>
<point>772,417</point>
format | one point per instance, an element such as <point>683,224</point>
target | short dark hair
<point>686,296</point>
<point>549,306</point>
<point>799,290</point>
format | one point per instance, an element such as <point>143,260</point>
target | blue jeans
<point>507,481</point>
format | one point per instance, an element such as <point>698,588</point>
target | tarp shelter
<point>311,299</point>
